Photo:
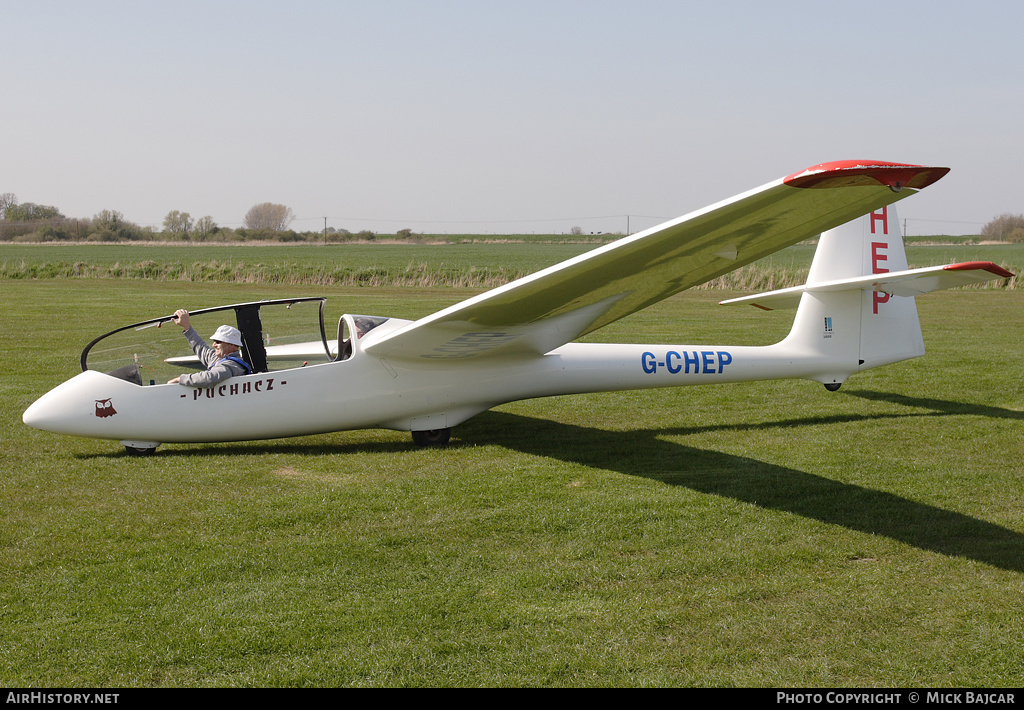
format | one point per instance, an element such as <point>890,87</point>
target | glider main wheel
<point>833,386</point>
<point>139,451</point>
<point>432,437</point>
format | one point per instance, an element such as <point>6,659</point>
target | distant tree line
<point>1005,228</point>
<point>266,221</point>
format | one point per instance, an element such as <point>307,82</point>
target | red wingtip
<point>853,173</point>
<point>983,265</point>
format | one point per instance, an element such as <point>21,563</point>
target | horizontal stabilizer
<point>912,282</point>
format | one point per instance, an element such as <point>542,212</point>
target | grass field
<point>764,534</point>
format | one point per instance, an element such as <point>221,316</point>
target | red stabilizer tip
<point>983,265</point>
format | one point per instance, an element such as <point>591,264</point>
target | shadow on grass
<point>939,406</point>
<point>262,447</point>
<point>642,453</point>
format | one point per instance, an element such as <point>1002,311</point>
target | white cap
<point>227,334</point>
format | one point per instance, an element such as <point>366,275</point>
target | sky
<point>481,116</point>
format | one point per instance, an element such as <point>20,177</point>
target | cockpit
<point>357,326</point>
<point>277,334</point>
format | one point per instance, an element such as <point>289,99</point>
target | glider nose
<point>42,414</point>
<point>64,409</point>
<point>85,406</point>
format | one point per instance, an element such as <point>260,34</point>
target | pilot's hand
<point>174,381</point>
<point>181,317</point>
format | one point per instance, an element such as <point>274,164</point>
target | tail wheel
<point>432,437</point>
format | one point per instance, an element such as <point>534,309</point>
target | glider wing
<point>537,313</point>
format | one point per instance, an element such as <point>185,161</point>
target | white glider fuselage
<point>367,392</point>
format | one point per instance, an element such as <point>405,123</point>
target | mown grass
<point>765,534</point>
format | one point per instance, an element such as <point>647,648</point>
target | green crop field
<point>482,265</point>
<point>350,264</point>
<point>762,534</point>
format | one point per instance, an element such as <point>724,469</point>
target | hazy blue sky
<point>454,116</point>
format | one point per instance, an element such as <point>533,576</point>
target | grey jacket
<point>217,370</point>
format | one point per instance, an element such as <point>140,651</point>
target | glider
<point>515,342</point>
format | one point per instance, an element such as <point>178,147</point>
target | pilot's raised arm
<point>221,360</point>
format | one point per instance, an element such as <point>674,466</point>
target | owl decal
<point>104,408</point>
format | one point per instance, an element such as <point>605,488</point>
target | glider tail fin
<point>851,328</point>
<point>857,309</point>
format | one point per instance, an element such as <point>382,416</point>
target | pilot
<point>221,360</point>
